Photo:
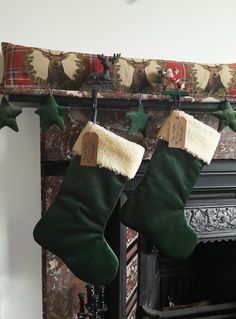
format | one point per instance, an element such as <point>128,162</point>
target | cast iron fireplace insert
<point>203,285</point>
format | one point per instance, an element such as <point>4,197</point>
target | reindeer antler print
<point>140,82</point>
<point>107,62</point>
<point>214,83</point>
<point>56,73</point>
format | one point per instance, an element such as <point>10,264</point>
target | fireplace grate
<point>226,310</point>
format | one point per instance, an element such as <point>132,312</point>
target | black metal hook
<point>5,96</point>
<point>175,96</point>
<point>176,101</point>
<point>93,110</point>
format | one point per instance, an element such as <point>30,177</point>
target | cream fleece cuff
<point>114,152</point>
<point>201,139</point>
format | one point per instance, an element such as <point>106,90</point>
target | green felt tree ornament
<point>51,113</point>
<point>8,115</point>
<point>138,119</point>
<point>156,207</point>
<point>227,117</point>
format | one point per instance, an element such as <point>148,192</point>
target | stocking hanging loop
<point>93,109</point>
<point>176,102</point>
<point>140,97</point>
<point>50,91</point>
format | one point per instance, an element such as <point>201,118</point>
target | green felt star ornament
<point>8,115</point>
<point>138,120</point>
<point>227,117</point>
<point>51,113</point>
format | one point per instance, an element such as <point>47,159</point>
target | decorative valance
<point>30,70</point>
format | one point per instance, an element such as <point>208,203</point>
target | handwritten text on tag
<point>89,149</point>
<point>177,135</point>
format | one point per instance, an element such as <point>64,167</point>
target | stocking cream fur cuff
<point>201,139</point>
<point>114,152</point>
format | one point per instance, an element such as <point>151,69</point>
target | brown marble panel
<point>132,314</point>
<point>131,236</point>
<point>226,148</point>
<point>58,145</point>
<point>227,145</point>
<point>60,286</point>
<point>132,277</point>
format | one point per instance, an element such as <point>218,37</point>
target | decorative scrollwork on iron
<point>211,218</point>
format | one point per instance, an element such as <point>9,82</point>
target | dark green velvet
<point>226,116</point>
<point>138,120</point>
<point>156,208</point>
<point>73,227</point>
<point>52,114</point>
<point>8,115</point>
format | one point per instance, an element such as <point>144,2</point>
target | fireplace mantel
<point>215,188</point>
<point>115,101</point>
<point>214,194</point>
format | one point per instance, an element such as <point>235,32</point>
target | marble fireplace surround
<point>214,219</point>
<point>59,284</point>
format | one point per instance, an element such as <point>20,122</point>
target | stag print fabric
<point>32,70</point>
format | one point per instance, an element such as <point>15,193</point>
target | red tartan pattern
<point>21,68</point>
<point>29,68</point>
<point>13,75</point>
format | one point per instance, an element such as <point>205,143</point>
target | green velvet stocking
<point>156,207</point>
<point>73,227</point>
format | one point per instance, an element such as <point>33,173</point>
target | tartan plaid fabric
<point>36,68</point>
<point>30,68</point>
<point>13,60</point>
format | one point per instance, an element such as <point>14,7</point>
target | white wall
<point>201,31</point>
